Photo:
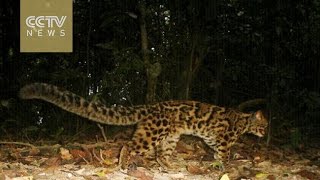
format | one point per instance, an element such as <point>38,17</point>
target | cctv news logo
<point>45,26</point>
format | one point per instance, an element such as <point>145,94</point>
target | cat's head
<point>258,124</point>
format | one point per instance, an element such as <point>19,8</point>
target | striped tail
<point>92,110</point>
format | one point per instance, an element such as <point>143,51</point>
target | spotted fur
<point>160,125</point>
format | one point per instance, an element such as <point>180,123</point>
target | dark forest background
<point>134,52</point>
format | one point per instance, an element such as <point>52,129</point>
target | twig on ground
<point>84,159</point>
<point>19,143</point>
<point>96,157</point>
<point>89,146</point>
<point>102,132</point>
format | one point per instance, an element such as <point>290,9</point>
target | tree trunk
<point>191,67</point>
<point>88,60</point>
<point>152,70</point>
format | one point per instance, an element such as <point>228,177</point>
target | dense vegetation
<point>132,52</point>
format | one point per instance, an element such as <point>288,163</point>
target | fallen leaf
<point>65,154</point>
<point>76,153</point>
<point>264,164</point>
<point>15,154</point>
<point>257,158</point>
<point>196,169</point>
<point>217,164</point>
<point>262,175</point>
<point>111,152</point>
<point>139,174</point>
<point>110,161</point>
<point>225,177</point>
<point>101,174</point>
<point>34,151</point>
<point>54,161</point>
<point>271,177</point>
<point>308,174</point>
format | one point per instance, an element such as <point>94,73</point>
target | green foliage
<point>247,50</point>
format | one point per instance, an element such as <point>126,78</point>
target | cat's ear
<point>259,114</point>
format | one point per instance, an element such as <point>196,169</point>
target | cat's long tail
<point>94,111</point>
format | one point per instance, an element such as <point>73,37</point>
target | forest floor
<point>250,160</point>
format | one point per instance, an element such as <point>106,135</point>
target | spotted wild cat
<point>160,125</point>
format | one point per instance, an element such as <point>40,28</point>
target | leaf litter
<point>192,160</point>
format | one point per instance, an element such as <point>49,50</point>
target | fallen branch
<point>89,146</point>
<point>19,143</point>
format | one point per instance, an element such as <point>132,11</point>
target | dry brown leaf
<point>16,154</point>
<point>271,177</point>
<point>30,160</point>
<point>264,164</point>
<point>193,169</point>
<point>139,174</point>
<point>76,153</point>
<point>34,151</point>
<point>65,154</point>
<point>113,152</point>
<point>257,159</point>
<point>54,161</point>
<point>309,175</point>
<point>243,170</point>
